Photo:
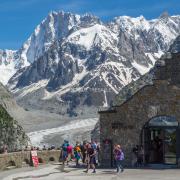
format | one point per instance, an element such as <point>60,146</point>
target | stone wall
<point>159,99</point>
<point>19,158</point>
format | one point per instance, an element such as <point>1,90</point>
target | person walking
<point>84,151</point>
<point>91,158</point>
<point>69,153</point>
<point>64,151</point>
<point>77,153</point>
<point>119,157</point>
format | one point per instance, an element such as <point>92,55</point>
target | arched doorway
<point>159,139</point>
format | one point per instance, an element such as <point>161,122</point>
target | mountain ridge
<point>49,31</point>
<point>90,60</point>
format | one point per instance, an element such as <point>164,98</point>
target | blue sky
<point>18,18</point>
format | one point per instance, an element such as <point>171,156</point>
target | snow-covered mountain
<point>56,26</point>
<point>78,61</point>
<point>9,64</point>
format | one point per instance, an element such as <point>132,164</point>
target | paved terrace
<point>53,172</point>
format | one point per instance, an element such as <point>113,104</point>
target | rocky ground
<point>53,172</point>
<point>46,127</point>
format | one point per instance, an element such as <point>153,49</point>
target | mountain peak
<point>164,15</point>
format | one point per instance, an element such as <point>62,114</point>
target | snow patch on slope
<point>67,87</point>
<point>141,69</point>
<point>7,65</point>
<point>31,88</point>
<point>89,37</point>
<point>6,72</point>
<point>105,104</point>
<point>104,75</point>
<point>38,136</point>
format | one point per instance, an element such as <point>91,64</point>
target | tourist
<point>69,153</point>
<point>91,158</point>
<point>114,159</point>
<point>94,145</point>
<point>44,147</point>
<point>140,156</point>
<point>135,156</point>
<point>119,157</point>
<point>77,153</point>
<point>84,151</point>
<point>64,151</point>
<point>53,147</point>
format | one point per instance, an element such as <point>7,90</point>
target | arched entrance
<point>160,137</point>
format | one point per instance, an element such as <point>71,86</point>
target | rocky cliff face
<point>78,61</point>
<point>11,133</point>
<point>162,70</point>
<point>175,47</point>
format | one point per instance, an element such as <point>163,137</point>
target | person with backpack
<point>119,157</point>
<point>91,158</point>
<point>64,151</point>
<point>77,153</point>
<point>94,145</point>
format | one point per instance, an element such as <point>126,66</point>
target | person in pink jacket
<point>69,153</point>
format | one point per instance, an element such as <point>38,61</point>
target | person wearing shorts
<point>91,158</point>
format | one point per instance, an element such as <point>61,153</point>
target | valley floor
<point>53,172</point>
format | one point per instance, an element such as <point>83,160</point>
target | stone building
<point>147,113</point>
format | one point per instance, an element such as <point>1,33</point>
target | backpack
<point>77,149</point>
<point>119,155</point>
<point>122,155</point>
<point>94,146</point>
<point>64,147</point>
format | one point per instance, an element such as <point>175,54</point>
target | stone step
<point>10,167</point>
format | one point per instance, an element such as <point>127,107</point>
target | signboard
<point>34,158</point>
